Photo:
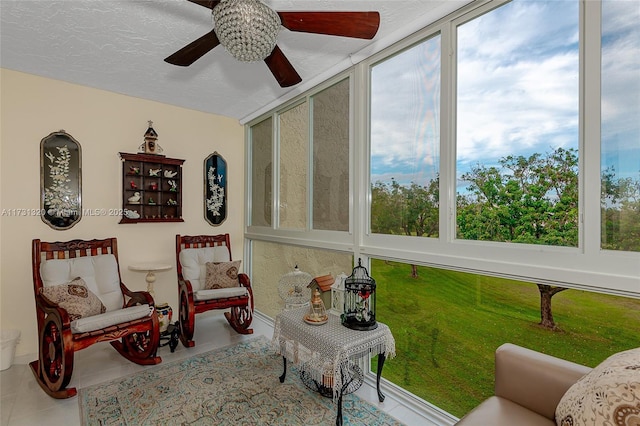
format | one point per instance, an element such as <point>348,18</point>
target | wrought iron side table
<point>327,352</point>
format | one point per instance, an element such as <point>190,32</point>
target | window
<point>270,261</point>
<point>261,172</point>
<point>294,166</point>
<point>489,133</point>
<point>517,124</point>
<point>620,109</point>
<point>447,325</point>
<point>405,141</point>
<point>330,140</point>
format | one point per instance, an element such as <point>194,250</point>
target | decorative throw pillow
<point>222,274</point>
<point>608,394</point>
<point>75,298</point>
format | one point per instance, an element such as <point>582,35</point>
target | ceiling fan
<point>248,30</point>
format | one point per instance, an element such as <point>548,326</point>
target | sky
<point>518,91</point>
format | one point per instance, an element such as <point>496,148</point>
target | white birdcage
<point>293,289</point>
<point>337,294</point>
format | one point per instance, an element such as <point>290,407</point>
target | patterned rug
<point>237,385</point>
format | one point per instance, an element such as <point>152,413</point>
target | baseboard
<point>25,358</point>
<point>414,403</point>
<point>257,315</point>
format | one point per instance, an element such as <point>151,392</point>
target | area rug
<point>236,385</point>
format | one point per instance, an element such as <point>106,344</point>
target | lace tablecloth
<point>325,350</point>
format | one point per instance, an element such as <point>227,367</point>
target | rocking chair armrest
<point>184,286</point>
<point>50,308</point>
<point>244,280</point>
<point>136,297</point>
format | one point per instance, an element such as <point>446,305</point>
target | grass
<point>448,324</point>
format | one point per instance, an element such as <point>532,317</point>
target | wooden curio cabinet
<point>151,188</point>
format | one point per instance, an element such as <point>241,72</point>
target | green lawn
<point>447,326</point>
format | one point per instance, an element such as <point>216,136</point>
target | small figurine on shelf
<point>134,170</point>
<point>154,172</point>
<point>170,174</point>
<point>153,186</point>
<point>133,185</point>
<point>172,202</point>
<point>131,214</point>
<point>173,185</point>
<point>151,202</point>
<point>134,199</point>
<point>150,144</point>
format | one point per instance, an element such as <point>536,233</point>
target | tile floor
<point>24,403</point>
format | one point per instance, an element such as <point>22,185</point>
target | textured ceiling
<point>119,46</point>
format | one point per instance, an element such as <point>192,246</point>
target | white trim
<point>412,402</point>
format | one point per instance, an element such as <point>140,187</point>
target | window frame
<point>586,267</point>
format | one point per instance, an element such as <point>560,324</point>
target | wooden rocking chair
<point>192,255</point>
<point>79,272</point>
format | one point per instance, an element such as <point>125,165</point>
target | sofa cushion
<point>222,275</point>
<point>75,298</point>
<point>118,316</point>
<point>194,260</point>
<point>100,273</point>
<point>609,394</point>
<point>220,293</point>
<point>496,411</point>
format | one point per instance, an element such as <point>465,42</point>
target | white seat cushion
<point>220,293</point>
<point>100,273</point>
<point>194,261</point>
<point>97,322</point>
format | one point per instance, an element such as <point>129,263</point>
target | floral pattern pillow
<point>75,298</point>
<point>222,274</point>
<point>608,395</point>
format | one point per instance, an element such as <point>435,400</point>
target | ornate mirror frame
<point>215,189</point>
<point>60,180</point>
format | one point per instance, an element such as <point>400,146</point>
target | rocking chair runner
<point>130,322</point>
<point>192,255</point>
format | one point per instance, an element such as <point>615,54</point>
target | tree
<point>410,210</point>
<point>385,205</point>
<point>421,212</point>
<point>530,200</point>
<point>546,315</point>
<point>620,206</point>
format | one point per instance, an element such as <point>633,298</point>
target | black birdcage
<point>359,300</point>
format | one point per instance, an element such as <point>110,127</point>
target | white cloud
<point>517,90</point>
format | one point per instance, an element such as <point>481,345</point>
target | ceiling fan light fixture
<point>247,29</point>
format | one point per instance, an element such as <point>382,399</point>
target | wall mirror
<point>215,189</point>
<point>60,180</point>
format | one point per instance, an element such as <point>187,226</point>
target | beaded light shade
<point>246,28</point>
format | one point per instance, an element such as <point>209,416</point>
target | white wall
<point>104,124</point>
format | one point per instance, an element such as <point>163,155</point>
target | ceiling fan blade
<point>345,24</point>
<point>206,3</point>
<point>194,50</point>
<point>281,68</point>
